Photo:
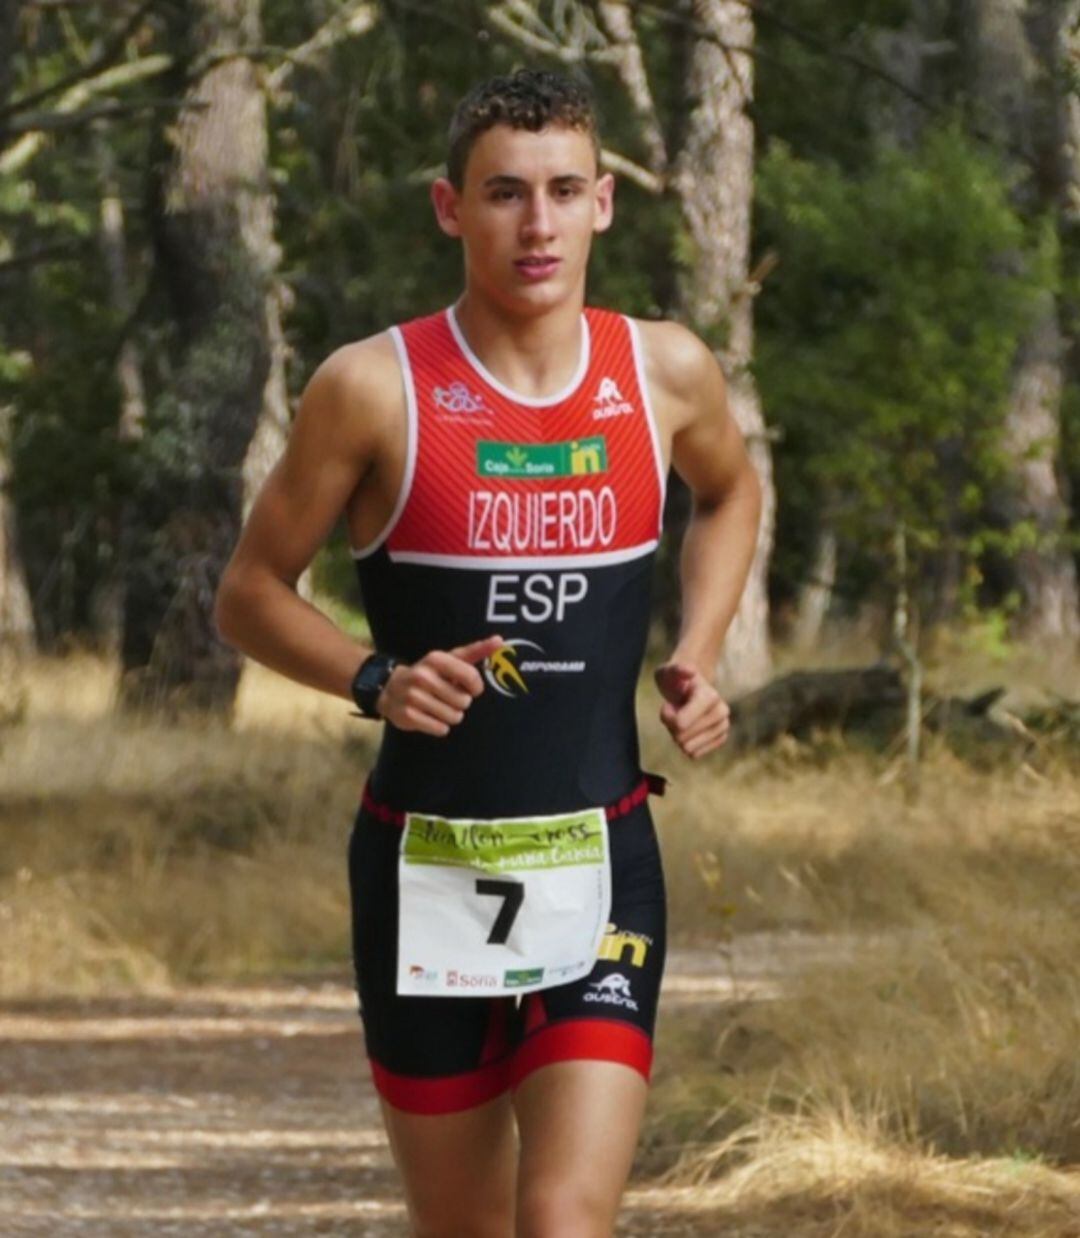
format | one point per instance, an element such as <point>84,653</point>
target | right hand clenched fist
<point>433,694</point>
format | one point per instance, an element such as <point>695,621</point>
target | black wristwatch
<point>370,680</point>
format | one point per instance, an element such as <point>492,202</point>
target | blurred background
<point>871,211</point>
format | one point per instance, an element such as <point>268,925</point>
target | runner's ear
<point>605,203</point>
<point>444,198</point>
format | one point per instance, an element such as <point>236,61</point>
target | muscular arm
<point>349,416</point>
<point>333,443</point>
<point>718,547</point>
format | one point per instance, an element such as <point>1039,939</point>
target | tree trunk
<point>1045,571</point>
<point>16,614</point>
<point>815,595</point>
<point>107,604</point>
<point>714,182</point>
<point>1016,62</point>
<point>272,432</point>
<point>217,256</point>
<point>17,638</point>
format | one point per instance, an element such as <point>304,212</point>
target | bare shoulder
<point>355,393</point>
<point>684,377</point>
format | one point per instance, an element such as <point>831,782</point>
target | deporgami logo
<point>506,669</point>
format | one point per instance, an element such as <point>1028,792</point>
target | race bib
<point>500,907</point>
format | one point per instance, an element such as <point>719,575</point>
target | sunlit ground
<point>870,1025</point>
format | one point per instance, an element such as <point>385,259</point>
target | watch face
<point>369,681</point>
<point>372,675</point>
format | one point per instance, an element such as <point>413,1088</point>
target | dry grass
<point>137,853</point>
<point>925,1081</point>
<point>841,1172</point>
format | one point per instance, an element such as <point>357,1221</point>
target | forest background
<point>201,201</point>
<point>872,212</point>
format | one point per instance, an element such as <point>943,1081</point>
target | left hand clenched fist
<point>693,710</point>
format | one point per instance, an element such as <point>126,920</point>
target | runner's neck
<point>536,356</point>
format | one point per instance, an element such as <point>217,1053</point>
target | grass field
<point>920,1077</point>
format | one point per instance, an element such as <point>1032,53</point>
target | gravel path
<point>241,1110</point>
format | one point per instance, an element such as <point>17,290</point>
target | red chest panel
<point>575,479</point>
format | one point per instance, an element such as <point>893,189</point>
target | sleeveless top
<point>537,519</point>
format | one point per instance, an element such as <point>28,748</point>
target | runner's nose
<point>538,219</point>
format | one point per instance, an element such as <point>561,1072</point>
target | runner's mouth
<point>537,267</point>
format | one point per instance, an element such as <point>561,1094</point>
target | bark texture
<point>217,256</point>
<point>17,638</point>
<point>1016,55</point>
<point>713,177</point>
<point>815,596</point>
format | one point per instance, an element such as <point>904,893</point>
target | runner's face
<point>526,214</point>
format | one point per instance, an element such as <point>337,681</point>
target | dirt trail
<point>244,1110</point>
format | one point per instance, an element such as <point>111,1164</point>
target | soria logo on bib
<point>609,401</point>
<point>577,458</point>
<point>511,667</point>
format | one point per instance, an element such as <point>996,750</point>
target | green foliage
<point>886,337</point>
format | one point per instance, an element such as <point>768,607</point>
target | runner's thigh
<point>585,1053</point>
<point>458,1169</point>
<point>440,1065</point>
<point>579,1124</point>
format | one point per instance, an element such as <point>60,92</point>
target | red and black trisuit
<point>537,519</point>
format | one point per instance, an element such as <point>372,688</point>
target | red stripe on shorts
<point>569,1040</point>
<point>448,1094</point>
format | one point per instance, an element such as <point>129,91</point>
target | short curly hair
<point>528,99</point>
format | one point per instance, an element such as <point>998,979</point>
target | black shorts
<point>443,1054</point>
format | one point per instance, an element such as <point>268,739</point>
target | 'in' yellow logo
<point>586,457</point>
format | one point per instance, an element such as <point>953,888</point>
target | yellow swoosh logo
<point>504,670</point>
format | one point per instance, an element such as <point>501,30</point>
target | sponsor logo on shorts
<point>457,398</point>
<point>609,402</point>
<point>616,942</point>
<point>613,990</point>
<point>576,458</point>
<point>470,980</point>
<point>523,976</point>
<point>510,668</point>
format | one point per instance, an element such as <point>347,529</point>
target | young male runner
<point>501,466</point>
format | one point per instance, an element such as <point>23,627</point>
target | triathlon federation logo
<point>613,990</point>
<point>510,668</point>
<point>609,400</point>
<point>457,398</point>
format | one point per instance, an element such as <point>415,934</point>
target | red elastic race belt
<point>649,784</point>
